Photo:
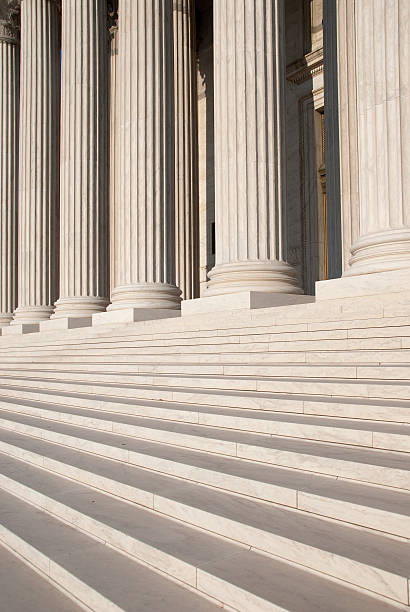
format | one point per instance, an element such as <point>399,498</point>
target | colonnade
<point>118,142</point>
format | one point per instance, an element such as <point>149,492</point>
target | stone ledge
<point>246,300</point>
<point>133,315</point>
<point>378,283</point>
<point>65,323</point>
<point>17,329</point>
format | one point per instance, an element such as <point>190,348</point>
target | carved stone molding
<point>10,23</point>
<point>8,33</point>
<point>112,17</point>
<point>306,68</point>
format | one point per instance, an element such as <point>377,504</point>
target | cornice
<point>306,68</point>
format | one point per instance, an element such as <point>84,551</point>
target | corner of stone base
<point>133,315</point>
<point>246,300</point>
<point>364,285</point>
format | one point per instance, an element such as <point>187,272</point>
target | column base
<point>271,276</point>
<point>133,315</point>
<point>156,296</point>
<point>18,329</point>
<point>380,252</point>
<point>379,283</point>
<point>31,314</point>
<point>246,300</point>
<point>72,307</point>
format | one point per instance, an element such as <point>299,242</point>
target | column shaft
<point>38,161</point>
<point>144,242</point>
<point>113,158</point>
<point>84,159</point>
<point>250,155</point>
<point>382,70</point>
<point>9,112</point>
<point>186,150</point>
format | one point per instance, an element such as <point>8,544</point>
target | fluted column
<point>186,157</point>
<point>250,156</point>
<point>38,160</point>
<point>113,156</point>
<point>84,159</point>
<point>9,107</point>
<point>382,82</point>
<point>144,242</point>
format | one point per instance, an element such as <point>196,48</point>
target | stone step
<point>378,467</point>
<point>94,574</point>
<point>114,397</point>
<point>369,561</point>
<point>387,511</point>
<point>260,370</point>
<point>109,581</point>
<point>216,333</point>
<point>119,356</point>
<point>222,344</point>
<point>272,370</point>
<point>242,325</point>
<point>22,588</point>
<point>131,385</point>
<point>314,316</point>
<point>217,422</point>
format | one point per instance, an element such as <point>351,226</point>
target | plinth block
<point>133,315</point>
<point>243,300</point>
<point>65,323</point>
<point>19,329</point>
<point>379,283</point>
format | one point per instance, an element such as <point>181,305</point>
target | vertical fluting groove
<point>382,39</point>
<point>250,155</point>
<point>144,239</point>
<point>84,159</point>
<point>186,191</point>
<point>38,181</point>
<point>9,103</point>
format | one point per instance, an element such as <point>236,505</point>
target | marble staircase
<point>250,460</point>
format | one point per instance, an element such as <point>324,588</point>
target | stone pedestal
<point>38,180</point>
<point>186,154</point>
<point>9,113</point>
<point>144,238</point>
<point>242,300</point>
<point>250,155</point>
<point>84,160</point>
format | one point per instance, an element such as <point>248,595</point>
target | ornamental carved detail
<point>10,23</point>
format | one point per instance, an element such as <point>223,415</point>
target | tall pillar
<point>9,112</point>
<point>144,244</point>
<point>113,138</point>
<point>250,156</point>
<point>382,82</point>
<point>84,256</point>
<point>38,161</point>
<point>186,152</point>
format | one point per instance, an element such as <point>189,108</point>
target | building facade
<point>159,151</point>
